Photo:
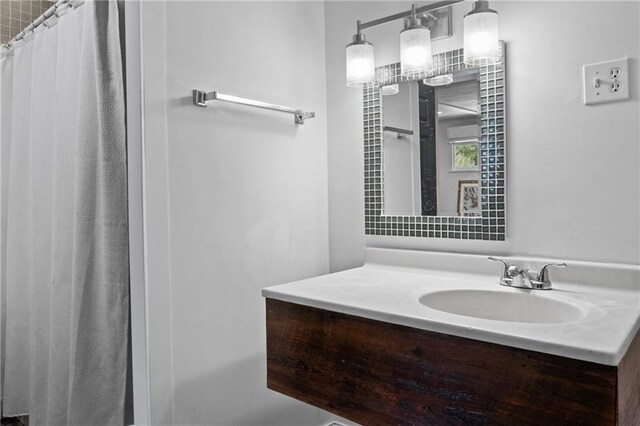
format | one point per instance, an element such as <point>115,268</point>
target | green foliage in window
<point>465,157</point>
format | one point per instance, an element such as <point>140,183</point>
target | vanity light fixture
<point>360,66</point>
<point>481,42</point>
<point>481,39</point>
<point>415,48</point>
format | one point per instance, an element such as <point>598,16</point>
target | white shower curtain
<point>64,235</point>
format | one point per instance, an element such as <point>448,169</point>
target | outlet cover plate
<point>602,71</point>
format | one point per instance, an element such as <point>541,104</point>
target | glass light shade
<point>439,80</point>
<point>415,52</point>
<point>390,89</point>
<point>481,38</point>
<point>360,67</point>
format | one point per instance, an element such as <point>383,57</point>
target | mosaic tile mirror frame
<point>491,225</point>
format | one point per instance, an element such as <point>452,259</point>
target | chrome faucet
<point>517,276</point>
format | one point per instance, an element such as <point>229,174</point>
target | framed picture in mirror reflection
<point>468,198</point>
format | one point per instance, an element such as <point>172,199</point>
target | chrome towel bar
<point>398,130</point>
<point>200,98</point>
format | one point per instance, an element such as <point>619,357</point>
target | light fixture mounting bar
<point>406,14</point>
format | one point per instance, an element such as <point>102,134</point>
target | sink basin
<point>523,306</point>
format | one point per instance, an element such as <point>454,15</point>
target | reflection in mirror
<point>430,146</point>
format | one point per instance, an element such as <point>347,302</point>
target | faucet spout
<point>520,277</point>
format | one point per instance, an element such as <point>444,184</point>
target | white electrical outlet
<point>606,82</point>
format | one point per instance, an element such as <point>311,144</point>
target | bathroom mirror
<point>435,151</point>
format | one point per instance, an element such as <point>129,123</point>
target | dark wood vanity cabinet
<point>378,373</point>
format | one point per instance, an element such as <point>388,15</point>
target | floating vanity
<point>429,338</point>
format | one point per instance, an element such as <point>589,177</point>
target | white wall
<point>236,200</point>
<point>573,175</point>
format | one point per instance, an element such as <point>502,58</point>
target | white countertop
<point>391,293</point>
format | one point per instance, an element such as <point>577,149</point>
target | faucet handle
<point>543,274</point>
<point>505,272</point>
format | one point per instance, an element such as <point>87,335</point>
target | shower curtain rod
<point>42,18</point>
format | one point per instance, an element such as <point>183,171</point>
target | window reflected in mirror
<point>465,157</point>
